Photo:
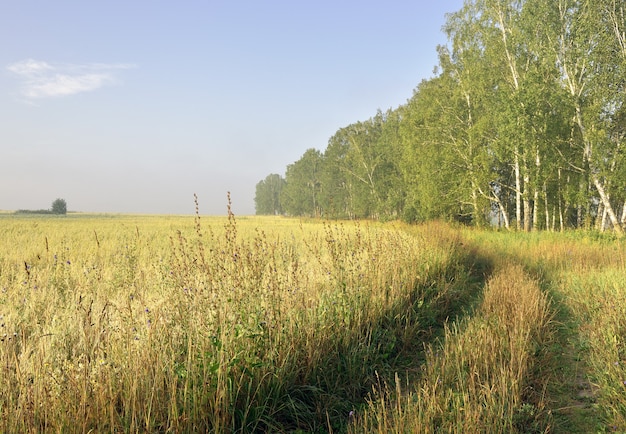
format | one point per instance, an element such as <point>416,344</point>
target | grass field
<point>266,324</point>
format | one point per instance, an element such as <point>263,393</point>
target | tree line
<point>522,125</point>
<point>59,206</point>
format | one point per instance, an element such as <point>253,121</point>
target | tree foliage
<point>267,198</point>
<point>301,193</point>
<point>59,206</point>
<point>523,125</point>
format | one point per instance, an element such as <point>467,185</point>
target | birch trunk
<point>607,205</point>
<point>518,194</point>
<point>525,197</point>
<point>597,183</point>
<point>546,206</point>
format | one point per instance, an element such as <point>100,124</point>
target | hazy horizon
<point>132,107</point>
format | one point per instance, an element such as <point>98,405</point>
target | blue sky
<point>134,106</point>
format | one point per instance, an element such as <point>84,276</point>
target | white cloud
<point>41,79</point>
<point>29,68</point>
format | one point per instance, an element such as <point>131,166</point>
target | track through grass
<point>146,323</point>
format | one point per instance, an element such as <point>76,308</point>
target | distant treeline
<point>37,211</point>
<point>522,125</point>
<point>59,207</point>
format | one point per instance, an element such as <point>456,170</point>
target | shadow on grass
<point>560,382</point>
<point>558,397</point>
<point>322,398</point>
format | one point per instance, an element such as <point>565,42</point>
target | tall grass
<point>147,324</point>
<point>196,324</point>
<point>583,273</point>
<point>476,379</point>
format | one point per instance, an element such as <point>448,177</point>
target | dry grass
<point>585,365</point>
<point>475,380</point>
<point>183,324</point>
<point>176,324</point>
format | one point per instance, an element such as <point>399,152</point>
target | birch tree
<point>581,53</point>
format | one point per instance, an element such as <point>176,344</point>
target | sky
<point>132,106</point>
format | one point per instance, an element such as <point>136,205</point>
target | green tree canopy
<point>300,195</point>
<point>523,123</point>
<point>267,198</point>
<point>59,206</point>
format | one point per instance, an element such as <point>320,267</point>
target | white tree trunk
<point>607,205</point>
<point>518,195</point>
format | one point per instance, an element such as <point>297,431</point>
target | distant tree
<point>59,206</point>
<point>267,198</point>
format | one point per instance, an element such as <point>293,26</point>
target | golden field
<point>120,323</point>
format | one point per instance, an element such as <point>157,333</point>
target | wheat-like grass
<point>142,323</point>
<point>267,324</point>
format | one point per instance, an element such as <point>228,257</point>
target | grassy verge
<point>582,368</point>
<point>589,391</point>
